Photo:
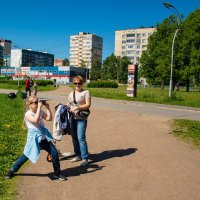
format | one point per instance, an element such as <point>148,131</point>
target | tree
<point>1,64</point>
<point>109,70</point>
<point>122,71</point>
<point>189,56</point>
<point>83,63</point>
<point>96,69</point>
<point>65,62</point>
<point>155,61</point>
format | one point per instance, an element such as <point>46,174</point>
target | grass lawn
<point>188,130</point>
<point>152,95</point>
<point>21,87</point>
<point>12,137</point>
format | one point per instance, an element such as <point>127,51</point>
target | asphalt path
<point>169,111</point>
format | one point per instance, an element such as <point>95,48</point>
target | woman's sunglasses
<point>77,83</point>
<point>35,102</point>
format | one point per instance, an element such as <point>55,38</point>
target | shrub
<point>102,84</point>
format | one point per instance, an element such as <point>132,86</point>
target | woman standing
<point>38,138</point>
<point>79,99</point>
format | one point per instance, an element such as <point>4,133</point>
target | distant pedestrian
<point>38,138</point>
<point>35,88</point>
<point>27,86</point>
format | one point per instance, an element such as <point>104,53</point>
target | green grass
<point>188,130</point>
<point>152,95</point>
<point>12,137</point>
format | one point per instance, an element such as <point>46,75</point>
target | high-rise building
<point>27,57</point>
<point>1,52</point>
<point>84,48</point>
<point>132,42</point>
<point>6,44</point>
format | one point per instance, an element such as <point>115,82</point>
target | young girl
<point>35,88</point>
<point>38,138</point>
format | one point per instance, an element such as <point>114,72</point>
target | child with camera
<point>38,137</point>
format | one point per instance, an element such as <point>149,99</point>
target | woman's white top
<point>80,99</point>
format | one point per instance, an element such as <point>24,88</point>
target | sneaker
<point>64,155</point>
<point>76,159</point>
<point>84,163</point>
<point>10,174</point>
<point>60,177</point>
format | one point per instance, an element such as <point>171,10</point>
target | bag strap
<point>75,102</point>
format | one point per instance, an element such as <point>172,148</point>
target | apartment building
<point>6,44</point>
<point>58,62</point>
<point>1,52</point>
<point>27,57</point>
<point>84,48</point>
<point>131,42</point>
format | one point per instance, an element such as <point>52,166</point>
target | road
<point>170,111</point>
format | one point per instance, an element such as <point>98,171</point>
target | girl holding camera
<point>38,137</point>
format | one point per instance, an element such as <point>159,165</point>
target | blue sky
<point>46,25</point>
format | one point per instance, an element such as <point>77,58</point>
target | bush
<point>22,82</point>
<point>102,84</point>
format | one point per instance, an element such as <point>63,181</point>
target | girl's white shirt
<point>31,125</point>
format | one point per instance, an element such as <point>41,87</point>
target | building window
<point>130,41</point>
<point>138,46</point>
<point>130,35</point>
<point>123,53</point>
<point>138,40</point>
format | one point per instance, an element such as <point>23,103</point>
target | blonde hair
<point>78,78</point>
<point>27,103</point>
<point>29,100</point>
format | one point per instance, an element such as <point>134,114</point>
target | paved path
<point>133,157</point>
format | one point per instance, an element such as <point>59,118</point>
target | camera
<point>44,101</point>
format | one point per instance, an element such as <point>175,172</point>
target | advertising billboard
<point>132,80</point>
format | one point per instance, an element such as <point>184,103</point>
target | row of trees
<point>155,61</point>
<point>113,68</point>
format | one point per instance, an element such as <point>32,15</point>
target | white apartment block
<point>132,42</point>
<point>84,48</point>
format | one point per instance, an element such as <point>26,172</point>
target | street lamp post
<point>175,11</point>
